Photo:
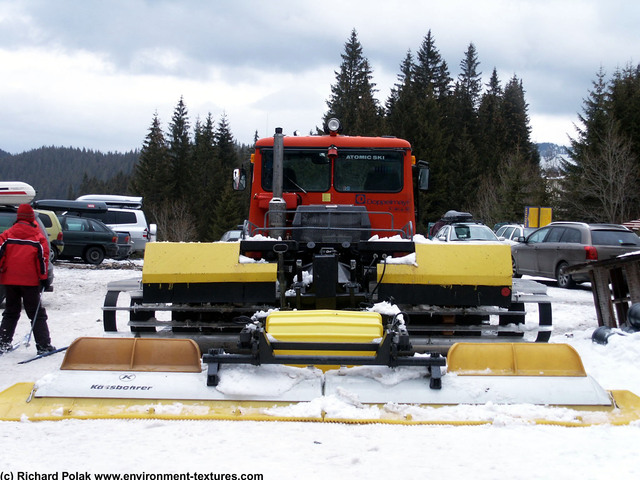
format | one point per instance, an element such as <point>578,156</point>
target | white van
<point>124,214</point>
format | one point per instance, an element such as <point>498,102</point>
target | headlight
<point>333,125</point>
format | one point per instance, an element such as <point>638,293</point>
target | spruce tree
<point>153,179</point>
<point>516,122</point>
<point>463,128</point>
<point>352,98</point>
<point>431,74</point>
<point>601,181</point>
<point>491,132</point>
<point>225,147</point>
<point>227,213</point>
<point>180,151</point>
<point>591,127</point>
<point>467,91</point>
<point>401,104</point>
<point>431,87</point>
<point>204,176</point>
<point>624,93</point>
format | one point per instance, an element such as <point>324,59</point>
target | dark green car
<point>88,239</point>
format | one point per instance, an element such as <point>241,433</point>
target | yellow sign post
<point>536,217</point>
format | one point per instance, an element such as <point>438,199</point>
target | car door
<point>525,254</point>
<point>548,251</point>
<point>74,233</point>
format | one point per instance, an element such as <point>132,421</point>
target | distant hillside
<point>552,156</point>
<point>57,172</point>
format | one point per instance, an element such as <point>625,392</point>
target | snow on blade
<point>267,380</point>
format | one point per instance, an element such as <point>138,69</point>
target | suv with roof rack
<point>548,252</point>
<point>124,214</point>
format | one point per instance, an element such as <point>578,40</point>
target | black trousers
<point>16,296</point>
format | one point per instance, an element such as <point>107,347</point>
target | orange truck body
<point>385,160</point>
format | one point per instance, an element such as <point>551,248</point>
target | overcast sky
<point>92,73</point>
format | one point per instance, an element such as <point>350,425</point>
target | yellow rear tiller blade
<point>127,378</point>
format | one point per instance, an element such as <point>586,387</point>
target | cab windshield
<point>303,170</point>
<point>354,170</point>
<point>368,171</point>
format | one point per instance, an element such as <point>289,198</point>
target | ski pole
<point>27,339</point>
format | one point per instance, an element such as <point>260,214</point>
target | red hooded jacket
<point>24,255</point>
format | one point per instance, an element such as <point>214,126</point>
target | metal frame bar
<point>263,353</point>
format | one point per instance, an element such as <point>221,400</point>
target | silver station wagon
<point>547,252</point>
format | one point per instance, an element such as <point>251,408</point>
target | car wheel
<point>563,278</point>
<point>93,255</point>
<point>53,254</point>
<point>514,270</point>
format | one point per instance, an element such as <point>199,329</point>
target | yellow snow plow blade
<point>522,359</point>
<point>131,354</point>
<point>484,383</point>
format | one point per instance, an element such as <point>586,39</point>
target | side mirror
<point>423,175</point>
<point>239,179</point>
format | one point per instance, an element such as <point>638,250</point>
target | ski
<point>13,347</point>
<point>42,355</point>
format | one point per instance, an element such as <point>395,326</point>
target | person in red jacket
<point>24,261</point>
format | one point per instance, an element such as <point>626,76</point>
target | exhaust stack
<point>277,205</point>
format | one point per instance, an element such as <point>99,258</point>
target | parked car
<point>548,251</point>
<point>7,219</point>
<point>513,231</point>
<point>130,221</point>
<point>87,238</point>
<point>465,231</point>
<point>54,231</point>
<point>124,214</point>
<point>231,236</point>
<point>125,246</point>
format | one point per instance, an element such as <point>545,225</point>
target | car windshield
<point>614,237</point>
<point>472,232</point>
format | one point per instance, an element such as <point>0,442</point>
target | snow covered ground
<point>508,448</point>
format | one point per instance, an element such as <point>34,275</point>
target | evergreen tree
<point>601,181</point>
<point>431,139</point>
<point>431,72</point>
<point>227,213</point>
<point>352,96</point>
<point>467,91</point>
<point>624,92</point>
<point>491,132</point>
<point>504,197</point>
<point>153,178</point>
<point>594,118</point>
<point>463,125</point>
<point>225,146</point>
<point>204,184</point>
<point>401,104</point>
<point>180,150</point>
<point>516,122</point>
